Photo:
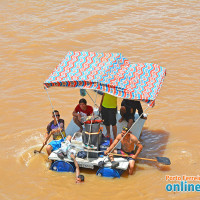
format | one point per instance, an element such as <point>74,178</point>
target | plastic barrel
<point>110,173</point>
<point>61,166</point>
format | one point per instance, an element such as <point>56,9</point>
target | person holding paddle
<point>57,129</point>
<point>128,142</point>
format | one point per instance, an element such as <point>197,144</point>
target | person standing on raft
<point>108,109</point>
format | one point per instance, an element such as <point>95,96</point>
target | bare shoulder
<point>119,137</point>
<point>134,138</point>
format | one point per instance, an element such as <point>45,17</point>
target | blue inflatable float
<point>110,173</point>
<point>61,166</point>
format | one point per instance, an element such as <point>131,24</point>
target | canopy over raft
<point>111,73</point>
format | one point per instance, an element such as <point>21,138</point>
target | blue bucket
<point>110,173</point>
<point>61,166</point>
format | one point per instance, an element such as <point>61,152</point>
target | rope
<point>92,100</point>
<point>54,112</point>
<point>90,134</point>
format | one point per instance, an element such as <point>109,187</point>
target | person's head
<point>56,114</point>
<point>83,103</point>
<point>80,179</point>
<point>124,130</point>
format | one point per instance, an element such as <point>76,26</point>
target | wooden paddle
<point>36,151</point>
<point>163,160</point>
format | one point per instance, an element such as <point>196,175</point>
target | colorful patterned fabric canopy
<point>109,72</point>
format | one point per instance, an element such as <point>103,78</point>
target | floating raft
<point>66,165</point>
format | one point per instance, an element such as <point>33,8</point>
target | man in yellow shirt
<point>108,109</point>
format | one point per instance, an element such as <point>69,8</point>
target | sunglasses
<point>56,115</point>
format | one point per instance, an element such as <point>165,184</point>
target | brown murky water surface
<point>36,35</point>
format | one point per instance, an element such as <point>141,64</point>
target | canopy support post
<point>92,99</point>
<point>128,130</point>
<point>53,111</point>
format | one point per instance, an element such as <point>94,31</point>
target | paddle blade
<point>35,151</point>
<point>163,160</point>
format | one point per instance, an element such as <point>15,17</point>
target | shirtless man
<point>127,148</point>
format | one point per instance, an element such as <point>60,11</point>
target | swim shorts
<point>119,151</point>
<point>56,144</point>
<point>109,116</point>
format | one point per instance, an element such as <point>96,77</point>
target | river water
<point>36,35</point>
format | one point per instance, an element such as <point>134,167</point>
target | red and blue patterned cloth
<point>109,72</point>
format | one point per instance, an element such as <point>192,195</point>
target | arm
<point>49,131</point>
<point>76,165</point>
<point>101,102</point>
<point>75,114</point>
<point>57,130</point>
<point>112,145</point>
<point>61,126</point>
<point>139,149</point>
<point>46,136</point>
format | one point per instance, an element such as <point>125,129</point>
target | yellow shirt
<point>58,136</point>
<point>109,101</point>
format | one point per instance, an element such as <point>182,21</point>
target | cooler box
<point>92,139</point>
<point>104,144</point>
